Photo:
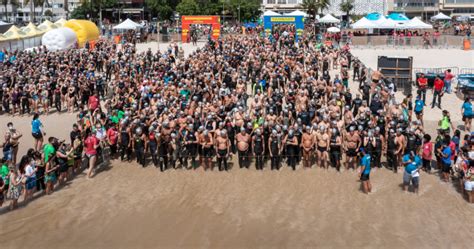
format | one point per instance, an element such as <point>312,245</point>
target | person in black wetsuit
<point>275,148</point>
<point>125,142</point>
<point>291,143</point>
<point>392,159</point>
<point>258,147</point>
<point>335,143</point>
<point>190,142</point>
<point>139,144</point>
<point>377,153</point>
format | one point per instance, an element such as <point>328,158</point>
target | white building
<point>360,6</point>
<point>22,12</point>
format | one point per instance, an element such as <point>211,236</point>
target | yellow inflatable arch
<point>85,30</point>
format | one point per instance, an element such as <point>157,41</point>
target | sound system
<point>398,69</point>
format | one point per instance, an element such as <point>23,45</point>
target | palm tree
<point>33,4</point>
<point>5,3</point>
<point>314,6</point>
<point>311,7</point>
<point>347,6</point>
<point>5,11</point>
<point>323,4</point>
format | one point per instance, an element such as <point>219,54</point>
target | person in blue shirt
<point>411,174</point>
<point>446,153</point>
<point>36,131</point>
<point>419,104</point>
<point>365,171</point>
<point>466,110</point>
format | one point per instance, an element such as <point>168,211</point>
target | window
<point>281,1</point>
<point>271,1</point>
<point>292,1</point>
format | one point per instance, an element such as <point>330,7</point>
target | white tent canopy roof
<point>329,19</point>
<point>4,23</point>
<point>127,25</point>
<point>384,23</point>
<point>416,23</point>
<point>441,16</point>
<point>364,23</point>
<point>271,13</point>
<point>296,13</point>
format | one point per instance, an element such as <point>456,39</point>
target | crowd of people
<point>270,102</point>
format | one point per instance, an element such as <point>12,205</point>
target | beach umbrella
<point>334,30</point>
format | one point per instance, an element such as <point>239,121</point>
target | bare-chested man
<point>401,143</point>
<point>222,149</point>
<point>323,141</point>
<point>243,144</point>
<point>307,144</point>
<point>351,146</point>
<point>206,141</point>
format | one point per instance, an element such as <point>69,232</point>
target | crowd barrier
<point>406,42</point>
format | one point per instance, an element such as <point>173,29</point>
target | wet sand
<point>126,206</point>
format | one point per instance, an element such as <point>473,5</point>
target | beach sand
<point>126,206</point>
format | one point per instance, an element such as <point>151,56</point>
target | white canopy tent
<point>364,23</point>
<point>384,23</point>
<point>416,23</point>
<point>440,17</point>
<point>328,19</point>
<point>296,13</point>
<point>271,13</point>
<point>127,25</point>
<point>334,30</point>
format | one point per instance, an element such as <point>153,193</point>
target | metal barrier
<point>437,70</point>
<point>407,42</point>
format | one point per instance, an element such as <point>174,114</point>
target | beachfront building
<point>361,7</point>
<point>282,6</point>
<point>457,7</point>
<point>429,8</point>
<point>22,11</point>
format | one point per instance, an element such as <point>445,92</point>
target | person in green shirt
<point>4,173</point>
<point>120,114</point>
<point>114,118</point>
<point>49,149</point>
<point>445,122</point>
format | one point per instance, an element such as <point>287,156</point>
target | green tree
<point>48,13</point>
<point>188,7</point>
<point>249,9</point>
<point>160,8</point>
<point>314,7</point>
<point>347,6</point>
<point>93,8</point>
